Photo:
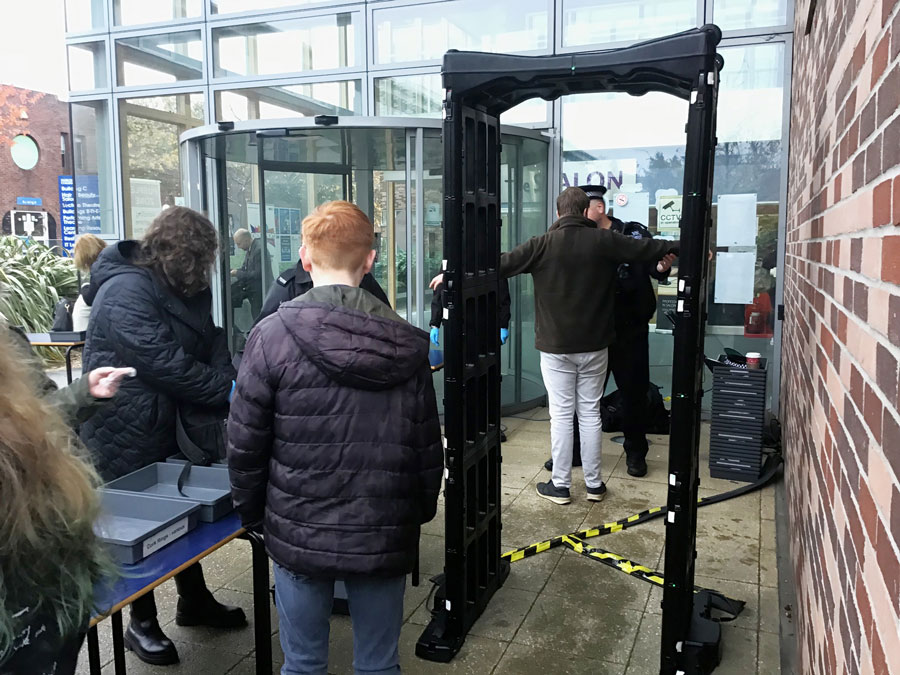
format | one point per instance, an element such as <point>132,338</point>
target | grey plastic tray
<point>133,526</point>
<point>205,485</point>
<point>181,459</point>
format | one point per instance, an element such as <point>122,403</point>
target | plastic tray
<point>205,485</point>
<point>181,459</point>
<point>133,526</point>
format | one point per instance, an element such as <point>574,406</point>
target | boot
<point>204,610</point>
<point>148,642</point>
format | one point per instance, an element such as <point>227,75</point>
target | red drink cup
<point>753,360</point>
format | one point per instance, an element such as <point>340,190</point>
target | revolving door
<point>258,180</point>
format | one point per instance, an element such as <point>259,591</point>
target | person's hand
<point>435,332</point>
<point>665,264</point>
<point>104,382</point>
<point>504,335</point>
<point>437,281</point>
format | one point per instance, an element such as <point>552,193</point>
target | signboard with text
<point>67,212</point>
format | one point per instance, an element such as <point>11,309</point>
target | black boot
<point>148,642</point>
<point>204,610</point>
<point>636,459</point>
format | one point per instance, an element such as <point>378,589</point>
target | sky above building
<point>32,45</point>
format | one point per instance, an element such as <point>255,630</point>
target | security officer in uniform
<point>293,283</point>
<point>629,357</point>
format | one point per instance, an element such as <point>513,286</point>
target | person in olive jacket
<point>574,266</point>
<point>334,448</point>
<point>152,312</point>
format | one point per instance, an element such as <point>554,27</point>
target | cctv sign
<point>668,214</point>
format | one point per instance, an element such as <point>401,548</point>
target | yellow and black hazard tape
<point>769,470</point>
<point>614,560</point>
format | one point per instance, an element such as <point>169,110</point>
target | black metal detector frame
<point>479,87</point>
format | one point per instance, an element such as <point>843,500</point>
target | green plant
<point>33,278</point>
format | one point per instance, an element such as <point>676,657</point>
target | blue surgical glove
<point>504,335</point>
<point>231,393</point>
<point>435,332</point>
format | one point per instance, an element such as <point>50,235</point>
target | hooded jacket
<point>574,265</point>
<point>334,440</point>
<point>181,357</point>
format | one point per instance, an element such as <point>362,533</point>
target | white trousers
<point>574,382</point>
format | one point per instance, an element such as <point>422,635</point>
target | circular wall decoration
<point>24,152</point>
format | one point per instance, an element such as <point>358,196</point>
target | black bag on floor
<point>612,412</point>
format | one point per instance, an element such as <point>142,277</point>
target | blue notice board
<point>67,211</point>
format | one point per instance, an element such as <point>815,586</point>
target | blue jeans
<point>304,613</point>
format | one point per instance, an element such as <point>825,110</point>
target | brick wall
<point>841,340</point>
<point>48,117</point>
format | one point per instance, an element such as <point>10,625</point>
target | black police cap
<point>593,191</point>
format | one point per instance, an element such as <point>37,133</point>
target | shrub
<point>33,278</point>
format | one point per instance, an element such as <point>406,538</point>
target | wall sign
<point>67,212</point>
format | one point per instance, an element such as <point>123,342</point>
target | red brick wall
<point>841,340</point>
<point>48,117</point>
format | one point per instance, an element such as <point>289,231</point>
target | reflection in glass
<point>296,100</point>
<point>419,95</point>
<point>534,111</point>
<point>151,162</point>
<point>85,15</point>
<point>230,6</point>
<point>738,14</point>
<point>93,172</point>
<point>523,207</point>
<point>588,22</point>
<point>644,159</point>
<point>87,66</point>
<point>426,32</point>
<point>159,59</point>
<point>293,46</point>
<point>133,12</point>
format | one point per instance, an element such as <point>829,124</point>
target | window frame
<point>279,82</point>
<point>372,7</point>
<point>104,38</point>
<point>356,10</point>
<point>186,28</point>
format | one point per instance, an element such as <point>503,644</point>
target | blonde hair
<point>87,249</point>
<point>338,236</point>
<point>49,555</point>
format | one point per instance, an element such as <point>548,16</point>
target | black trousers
<point>629,363</point>
<point>190,585</point>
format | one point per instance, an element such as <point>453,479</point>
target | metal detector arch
<point>479,87</point>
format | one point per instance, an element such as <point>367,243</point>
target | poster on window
<point>736,220</point>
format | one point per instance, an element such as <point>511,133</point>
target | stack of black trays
<point>738,415</point>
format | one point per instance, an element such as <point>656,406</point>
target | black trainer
<point>596,494</point>
<point>554,494</point>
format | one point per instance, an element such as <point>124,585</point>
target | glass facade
<point>298,100</point>
<point>88,66</point>
<point>151,162</point>
<point>424,32</point>
<point>292,46</point>
<point>159,59</point>
<point>141,73</point>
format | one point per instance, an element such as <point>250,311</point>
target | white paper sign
<point>167,536</point>
<point>735,277</point>
<point>736,220</point>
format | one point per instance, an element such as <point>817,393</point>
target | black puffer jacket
<point>334,438</point>
<point>179,355</point>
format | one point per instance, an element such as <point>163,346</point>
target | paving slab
<point>530,660</point>
<point>602,632</point>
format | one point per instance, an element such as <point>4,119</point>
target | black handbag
<point>200,434</point>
